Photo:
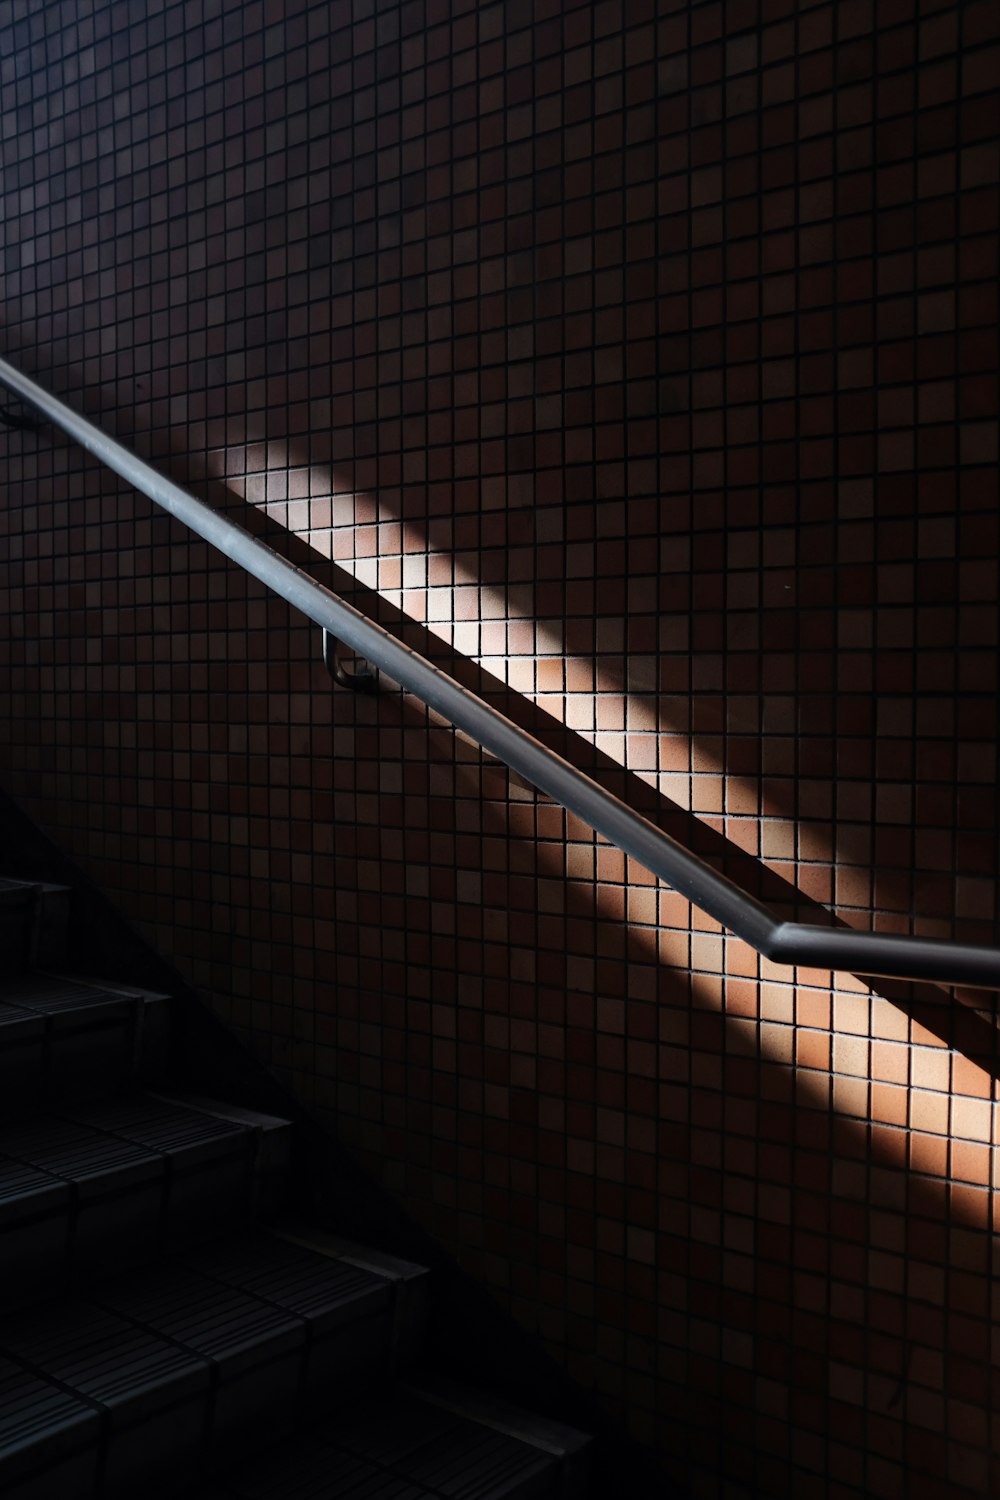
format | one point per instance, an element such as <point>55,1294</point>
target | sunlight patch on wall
<point>613,697</point>
<point>610,699</point>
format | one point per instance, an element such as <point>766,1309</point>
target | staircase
<point>165,1328</point>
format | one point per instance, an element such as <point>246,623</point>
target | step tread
<point>393,1446</point>
<point>64,1038</point>
<point>49,995</point>
<point>97,1354</point>
<point>19,1015</point>
<point>83,1141</point>
<point>108,1146</point>
<point>469,1462</point>
<point>31,1407</point>
<point>436,1389</point>
<point>288,1277</point>
<point>197,1312</point>
<point>51,992</point>
<point>68,1150</point>
<point>20,1180</point>
<point>133,1331</point>
<point>391,1433</point>
<point>308,1470</point>
<point>154,1123</point>
<point>15,883</point>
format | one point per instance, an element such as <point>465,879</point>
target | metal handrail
<point>886,955</point>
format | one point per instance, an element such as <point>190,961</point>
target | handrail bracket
<point>363,680</point>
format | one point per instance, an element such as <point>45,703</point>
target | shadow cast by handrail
<point>923,1003</point>
<point>822,1217</point>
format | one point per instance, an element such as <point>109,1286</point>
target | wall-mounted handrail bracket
<point>364,679</point>
<point>846,949</point>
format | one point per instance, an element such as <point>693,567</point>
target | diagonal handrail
<point>885,955</point>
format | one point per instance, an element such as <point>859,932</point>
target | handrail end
<point>885,955</point>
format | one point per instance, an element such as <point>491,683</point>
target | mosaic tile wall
<point>640,364</point>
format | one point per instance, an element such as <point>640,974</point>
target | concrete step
<point>134,1386</point>
<point>121,1181</point>
<point>36,1418</point>
<point>153,1339</point>
<point>410,1283</point>
<point>400,1444</point>
<point>64,1038</point>
<point>570,1449</point>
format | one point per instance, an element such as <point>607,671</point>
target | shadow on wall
<point>634,727</point>
<point>829,1165</point>
<point>534,245</point>
<point>729,1171</point>
<point>974,1035</point>
<point>527,651</point>
<point>821,775</point>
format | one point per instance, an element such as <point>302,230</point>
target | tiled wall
<point>646,356</point>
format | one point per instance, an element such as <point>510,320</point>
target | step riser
<point>34,925</point>
<point>52,927</point>
<point>272,1388</point>
<point>39,1065</point>
<point>210,1202</point>
<point>170,1443</point>
<point>73,1479</point>
<point>72,1056</point>
<point>49,1256</point>
<point>17,929</point>
<point>60,1222</point>
<point>346,1362</point>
